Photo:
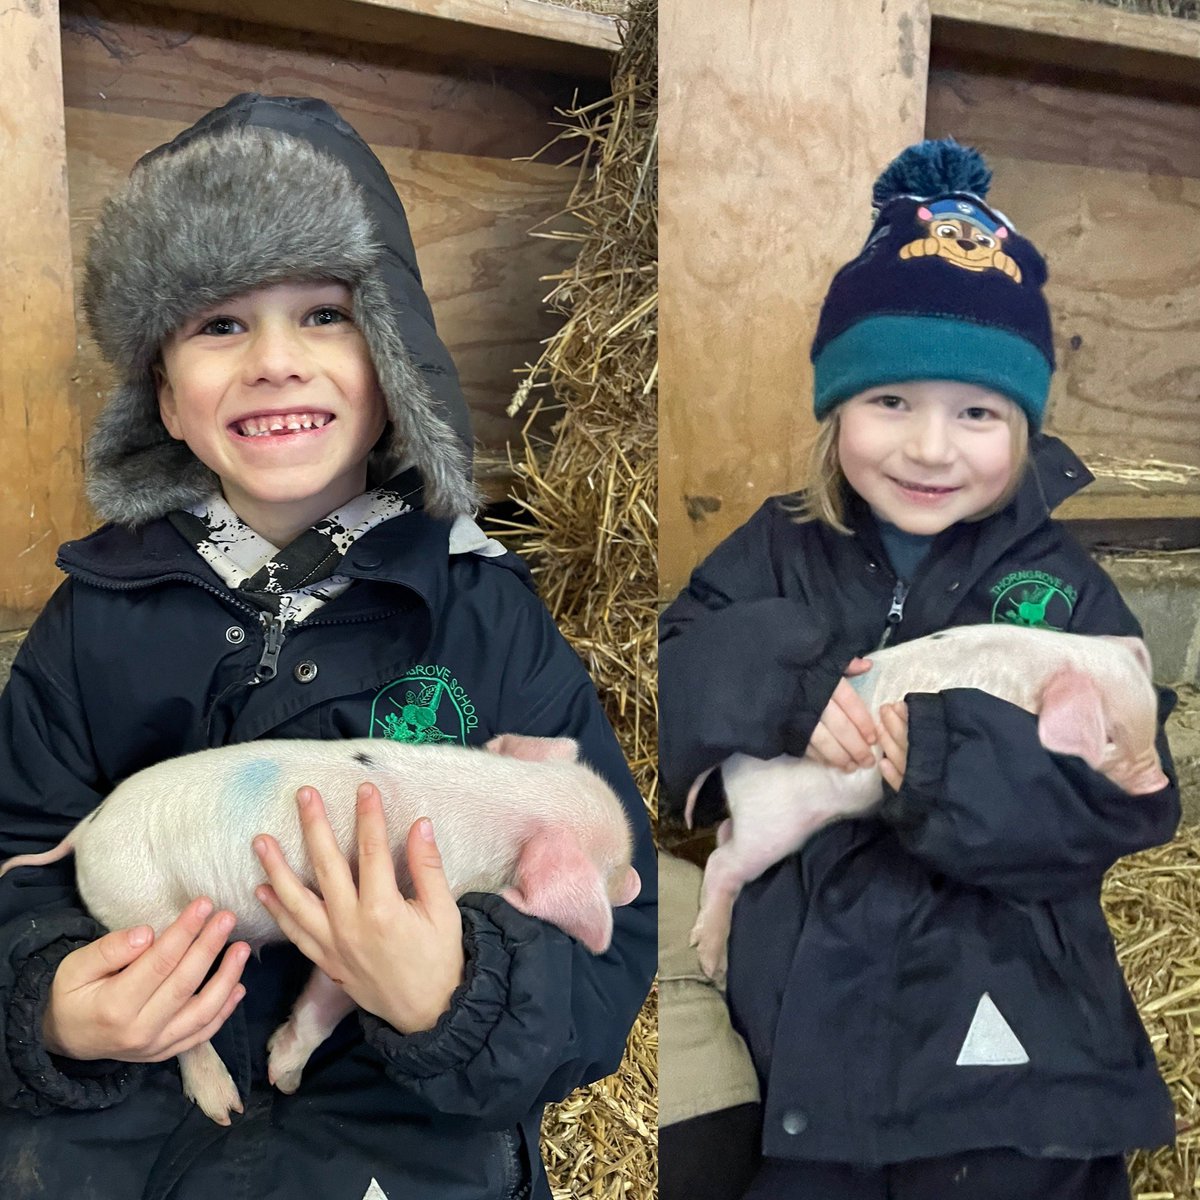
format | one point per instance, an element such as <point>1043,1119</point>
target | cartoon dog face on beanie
<point>964,235</point>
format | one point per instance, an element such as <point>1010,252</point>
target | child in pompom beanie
<point>930,994</point>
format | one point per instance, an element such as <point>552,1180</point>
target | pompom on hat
<point>945,288</point>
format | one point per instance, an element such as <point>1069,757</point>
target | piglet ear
<point>1136,647</point>
<point>630,888</point>
<point>1071,720</point>
<point>557,882</point>
<point>534,749</point>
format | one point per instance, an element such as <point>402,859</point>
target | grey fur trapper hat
<point>263,190</point>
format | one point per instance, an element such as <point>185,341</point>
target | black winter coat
<point>143,654</point>
<point>859,967</point>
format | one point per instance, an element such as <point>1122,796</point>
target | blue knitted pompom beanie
<point>945,288</point>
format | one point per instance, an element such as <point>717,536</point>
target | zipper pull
<point>895,613</point>
<point>268,664</point>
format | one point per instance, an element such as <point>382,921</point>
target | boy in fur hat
<point>285,469</point>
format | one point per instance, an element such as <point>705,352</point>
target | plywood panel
<point>470,219</point>
<point>152,62</point>
<point>1098,38</point>
<point>776,118</point>
<point>39,462</point>
<point>1108,187</point>
<point>518,32</point>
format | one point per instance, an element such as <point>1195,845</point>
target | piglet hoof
<point>207,1082</point>
<point>710,949</point>
<point>712,959</point>
<point>286,1059</point>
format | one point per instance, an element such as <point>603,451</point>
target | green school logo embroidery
<point>1033,599</point>
<point>428,705</point>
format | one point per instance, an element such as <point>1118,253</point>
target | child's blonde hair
<point>824,497</point>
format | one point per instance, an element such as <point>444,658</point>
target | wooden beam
<point>776,119</point>
<point>1082,37</point>
<point>524,33</point>
<point>40,469</point>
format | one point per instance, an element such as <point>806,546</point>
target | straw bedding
<point>1152,902</point>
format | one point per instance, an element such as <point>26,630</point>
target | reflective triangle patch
<point>374,1192</point>
<point>990,1042</point>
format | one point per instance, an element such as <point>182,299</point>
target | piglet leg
<point>313,1018</point>
<point>775,806</point>
<point>722,882</point>
<point>207,1082</point>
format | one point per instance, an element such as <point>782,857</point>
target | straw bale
<point>1187,9</point>
<point>608,8</point>
<point>1152,902</point>
<point>586,494</point>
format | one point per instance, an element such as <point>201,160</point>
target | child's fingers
<point>177,989</point>
<point>138,983</point>
<point>105,956</point>
<point>307,931</point>
<point>893,741</point>
<point>847,701</point>
<point>847,753</point>
<point>334,880</point>
<point>215,998</point>
<point>376,871</point>
<point>290,891</point>
<point>892,777</point>
<point>851,726</point>
<point>430,888</point>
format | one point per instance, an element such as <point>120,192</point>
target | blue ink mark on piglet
<point>255,780</point>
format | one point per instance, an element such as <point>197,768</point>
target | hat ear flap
<point>421,437</point>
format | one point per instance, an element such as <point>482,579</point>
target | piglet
<point>1092,695</point>
<point>526,820</point>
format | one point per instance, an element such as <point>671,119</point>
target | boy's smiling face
<point>928,453</point>
<point>275,391</point>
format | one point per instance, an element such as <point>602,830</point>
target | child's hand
<point>132,997</point>
<point>893,741</point>
<point>399,959</point>
<point>845,733</point>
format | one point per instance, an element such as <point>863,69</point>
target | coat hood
<point>261,191</point>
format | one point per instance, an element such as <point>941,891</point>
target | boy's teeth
<point>265,426</point>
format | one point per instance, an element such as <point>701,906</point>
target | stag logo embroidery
<point>964,235</point>
<point>425,707</point>
<point>1033,599</point>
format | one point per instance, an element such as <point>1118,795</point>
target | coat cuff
<point>51,1082</point>
<point>925,768</point>
<point>475,1007</point>
<point>813,692</point>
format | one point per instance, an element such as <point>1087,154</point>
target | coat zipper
<point>268,663</point>
<point>895,613</point>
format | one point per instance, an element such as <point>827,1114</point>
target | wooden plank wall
<point>40,476</point>
<point>446,129</point>
<point>775,119</point>
<point>1091,122</point>
<point>1105,179</point>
